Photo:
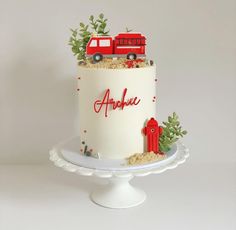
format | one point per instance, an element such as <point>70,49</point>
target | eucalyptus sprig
<point>172,131</point>
<point>79,40</point>
<point>99,25</point>
<point>80,37</point>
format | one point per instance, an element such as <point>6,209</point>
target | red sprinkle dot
<point>154,97</point>
<point>153,100</point>
<point>91,150</point>
<point>81,150</point>
<point>78,89</point>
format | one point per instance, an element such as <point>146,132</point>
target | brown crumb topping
<point>118,63</point>
<point>142,158</point>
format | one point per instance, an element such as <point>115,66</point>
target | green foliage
<point>79,40</point>
<point>99,25</point>
<point>127,30</point>
<point>80,37</point>
<point>172,131</point>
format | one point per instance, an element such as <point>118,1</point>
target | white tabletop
<point>45,197</point>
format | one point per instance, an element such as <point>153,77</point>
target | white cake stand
<point>118,193</point>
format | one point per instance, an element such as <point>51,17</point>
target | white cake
<point>114,130</point>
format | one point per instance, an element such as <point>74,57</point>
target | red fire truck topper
<point>129,45</point>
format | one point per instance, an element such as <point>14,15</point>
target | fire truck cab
<point>129,45</point>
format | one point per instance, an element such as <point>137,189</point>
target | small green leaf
<point>81,24</point>
<point>184,132</point>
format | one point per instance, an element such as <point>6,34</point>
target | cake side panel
<point>115,133</point>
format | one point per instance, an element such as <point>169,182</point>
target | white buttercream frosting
<point>119,135</point>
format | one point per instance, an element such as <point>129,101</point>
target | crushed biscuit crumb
<point>142,158</point>
<point>118,63</point>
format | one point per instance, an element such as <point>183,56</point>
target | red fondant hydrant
<point>152,131</point>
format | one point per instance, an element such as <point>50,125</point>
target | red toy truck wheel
<point>97,57</point>
<point>131,56</point>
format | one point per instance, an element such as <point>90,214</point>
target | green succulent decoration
<point>172,131</point>
<point>80,37</point>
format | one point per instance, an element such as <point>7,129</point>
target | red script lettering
<point>107,100</point>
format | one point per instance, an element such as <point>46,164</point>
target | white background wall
<point>192,41</point>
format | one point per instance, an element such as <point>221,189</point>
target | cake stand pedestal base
<point>118,193</point>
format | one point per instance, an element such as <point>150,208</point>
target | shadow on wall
<point>38,105</point>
